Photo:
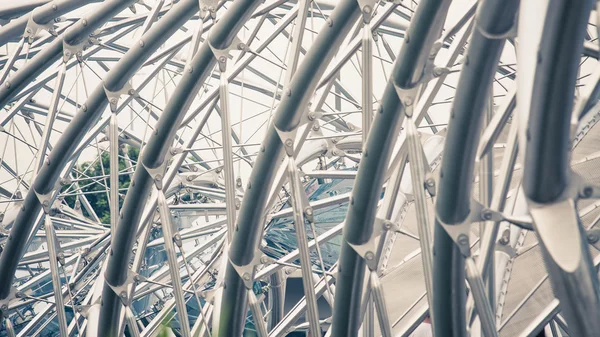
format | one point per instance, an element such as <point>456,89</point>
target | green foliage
<point>95,190</point>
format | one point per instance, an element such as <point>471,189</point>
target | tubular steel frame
<point>222,274</point>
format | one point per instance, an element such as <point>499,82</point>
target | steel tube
<point>46,178</point>
<point>286,118</point>
<point>545,96</point>
<point>367,80</point>
<point>408,68</point>
<point>296,189</point>
<point>72,36</point>
<point>493,18</point>
<point>157,147</point>
<point>167,227</point>
<point>56,284</point>
<point>50,118</point>
<point>113,139</point>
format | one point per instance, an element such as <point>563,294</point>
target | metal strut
<point>358,244</point>
<point>167,227</point>
<point>455,210</point>
<point>301,209</point>
<point>554,42</point>
<point>56,284</point>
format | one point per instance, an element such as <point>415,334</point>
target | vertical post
<point>294,55</point>
<point>305,263</point>
<point>60,80</point>
<point>113,138</point>
<point>367,78</point>
<point>10,330</point>
<point>56,285</point>
<point>488,321</point>
<point>134,330</point>
<point>368,323</point>
<point>486,180</point>
<point>227,152</point>
<point>259,322</point>
<point>379,300</point>
<point>165,219</point>
<point>417,170</point>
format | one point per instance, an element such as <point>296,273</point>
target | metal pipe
<point>46,178</point>
<point>379,300</point>
<point>545,100</point>
<point>259,322</point>
<point>286,118</point>
<point>56,284</point>
<point>305,261</point>
<point>367,78</point>
<point>408,68</point>
<point>167,227</point>
<point>299,28</point>
<point>50,118</point>
<point>113,139</point>
<point>493,19</point>
<point>417,173</point>
<point>73,36</point>
<point>228,173</point>
<point>158,145</point>
<point>11,61</point>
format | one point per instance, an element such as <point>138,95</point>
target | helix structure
<point>299,168</point>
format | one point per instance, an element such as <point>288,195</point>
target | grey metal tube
<point>562,238</point>
<point>154,153</point>
<point>287,117</point>
<point>17,8</point>
<point>408,68</point>
<point>547,155</point>
<point>493,18</point>
<point>12,30</point>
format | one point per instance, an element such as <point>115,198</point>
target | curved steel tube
<point>17,8</point>
<point>154,153</point>
<point>493,19</point>
<point>547,94</point>
<point>408,69</point>
<point>249,227</point>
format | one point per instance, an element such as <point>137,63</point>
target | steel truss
<point>180,165</point>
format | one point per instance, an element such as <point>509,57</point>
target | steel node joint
<point>367,8</point>
<point>70,50</point>
<point>208,6</point>
<point>248,271</point>
<point>33,28</point>
<point>113,96</point>
<point>222,54</point>
<point>122,290</point>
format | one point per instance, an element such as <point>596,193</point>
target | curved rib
<point>249,227</point>
<point>408,69</point>
<point>493,18</point>
<point>83,120</point>
<point>154,153</point>
<point>545,96</point>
